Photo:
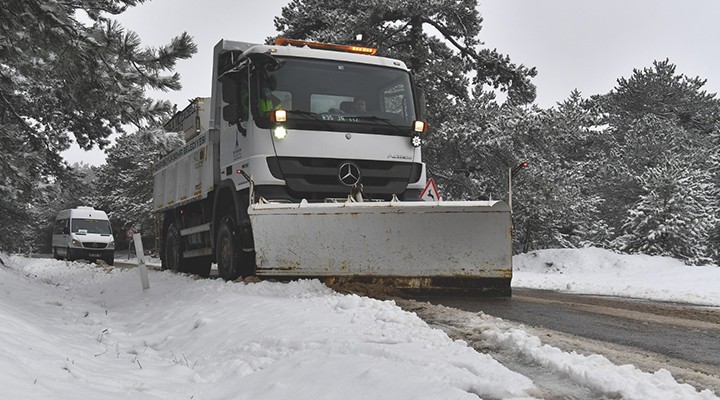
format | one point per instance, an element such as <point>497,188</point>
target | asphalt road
<point>682,339</point>
<point>680,331</point>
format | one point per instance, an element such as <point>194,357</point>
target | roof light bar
<point>326,46</point>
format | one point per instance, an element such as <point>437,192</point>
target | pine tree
<point>69,72</point>
<point>470,151</point>
<point>714,206</point>
<point>671,218</point>
<point>661,92</point>
<point>125,183</point>
<point>442,64</point>
<point>552,204</point>
<point>654,113</point>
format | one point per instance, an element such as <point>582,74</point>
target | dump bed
<point>187,174</point>
<point>192,120</point>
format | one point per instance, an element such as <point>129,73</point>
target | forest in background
<point>636,169</point>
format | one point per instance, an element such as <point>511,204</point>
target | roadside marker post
<point>511,173</point>
<point>141,261</point>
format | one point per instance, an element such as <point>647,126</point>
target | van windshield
<point>83,226</point>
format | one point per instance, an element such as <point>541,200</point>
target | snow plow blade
<point>456,248</point>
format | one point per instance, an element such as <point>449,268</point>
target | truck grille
<point>317,178</point>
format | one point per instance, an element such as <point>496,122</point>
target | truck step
<point>195,229</point>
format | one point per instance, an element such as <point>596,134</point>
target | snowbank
<point>72,330</point>
<point>602,272</point>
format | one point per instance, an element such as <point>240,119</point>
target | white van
<point>83,233</point>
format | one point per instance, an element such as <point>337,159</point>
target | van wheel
<point>69,255</point>
<point>109,261</point>
<point>173,259</point>
<point>55,254</point>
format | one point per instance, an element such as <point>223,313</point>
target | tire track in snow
<point>563,366</point>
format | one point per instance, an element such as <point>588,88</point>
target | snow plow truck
<point>305,162</point>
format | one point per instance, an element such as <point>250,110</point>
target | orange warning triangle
<point>430,193</point>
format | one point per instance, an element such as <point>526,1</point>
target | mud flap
<point>446,247</point>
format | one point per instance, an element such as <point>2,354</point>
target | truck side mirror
<point>229,88</point>
<point>230,96</point>
<point>230,113</point>
<point>66,231</point>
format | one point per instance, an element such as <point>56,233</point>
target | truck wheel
<point>55,254</point>
<point>229,251</point>
<point>173,259</point>
<point>69,255</point>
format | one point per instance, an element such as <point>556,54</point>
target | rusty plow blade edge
<point>422,247</point>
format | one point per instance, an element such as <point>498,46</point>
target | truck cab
<point>307,123</point>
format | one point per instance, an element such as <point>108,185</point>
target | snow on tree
<point>68,72</point>
<point>125,183</point>
<point>655,113</point>
<point>553,206</point>
<point>661,92</point>
<point>444,63</point>
<point>714,206</point>
<point>471,152</point>
<point>672,218</point>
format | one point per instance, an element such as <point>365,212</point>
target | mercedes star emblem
<point>349,174</point>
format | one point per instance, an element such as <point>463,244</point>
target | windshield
<point>84,226</point>
<point>337,96</point>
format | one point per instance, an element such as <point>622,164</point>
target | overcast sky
<point>579,44</point>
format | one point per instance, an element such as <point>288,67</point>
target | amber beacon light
<point>326,46</point>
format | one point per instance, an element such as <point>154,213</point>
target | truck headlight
<point>76,243</point>
<point>279,132</point>
<point>111,245</point>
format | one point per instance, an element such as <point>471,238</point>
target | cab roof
<point>309,52</point>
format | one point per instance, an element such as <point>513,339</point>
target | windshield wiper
<point>384,120</point>
<point>312,115</point>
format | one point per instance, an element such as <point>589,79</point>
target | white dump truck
<point>305,162</point>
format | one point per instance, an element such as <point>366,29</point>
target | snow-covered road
<point>545,373</point>
<point>74,330</point>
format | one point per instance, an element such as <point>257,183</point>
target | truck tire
<point>69,255</point>
<point>232,261</point>
<point>173,259</point>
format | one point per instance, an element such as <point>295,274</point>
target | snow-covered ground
<point>602,272</point>
<point>75,330</point>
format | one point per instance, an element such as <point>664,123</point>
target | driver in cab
<point>268,100</point>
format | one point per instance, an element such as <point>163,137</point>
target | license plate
<point>94,254</point>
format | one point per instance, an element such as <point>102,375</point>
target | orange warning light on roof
<point>326,46</point>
